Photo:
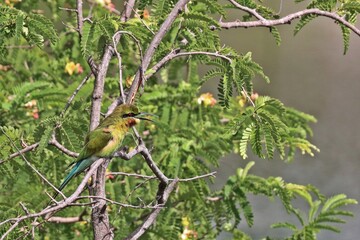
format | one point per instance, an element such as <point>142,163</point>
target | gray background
<point>308,72</point>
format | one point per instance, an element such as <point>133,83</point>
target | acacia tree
<point>148,54</point>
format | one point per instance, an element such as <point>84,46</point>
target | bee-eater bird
<point>105,139</point>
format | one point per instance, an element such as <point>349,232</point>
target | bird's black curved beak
<point>141,116</point>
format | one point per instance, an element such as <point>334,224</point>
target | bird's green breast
<point>118,132</point>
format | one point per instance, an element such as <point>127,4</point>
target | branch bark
<point>287,20</point>
<point>100,218</point>
<point>152,47</point>
<point>153,215</point>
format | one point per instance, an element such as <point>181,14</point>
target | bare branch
<point>68,219</point>
<point>21,47</point>
<point>22,151</point>
<point>132,175</point>
<point>116,36</point>
<point>26,161</point>
<point>128,6</point>
<point>175,53</point>
<point>147,156</point>
<point>248,10</point>
<point>79,13</point>
<point>55,142</point>
<point>75,93</point>
<point>153,215</point>
<point>65,219</point>
<point>122,94</point>
<point>142,149</point>
<point>152,47</point>
<point>31,147</point>
<point>287,19</point>
<point>99,87</point>
<point>212,174</point>
<point>68,9</point>
<point>52,210</point>
<point>122,204</point>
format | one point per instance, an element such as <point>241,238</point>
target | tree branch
<point>176,53</point>
<point>55,142</point>
<point>22,151</point>
<point>122,204</point>
<point>65,219</point>
<point>79,13</point>
<point>248,10</point>
<point>51,210</point>
<point>153,215</point>
<point>75,93</point>
<point>287,20</point>
<point>128,6</point>
<point>212,174</point>
<point>152,47</point>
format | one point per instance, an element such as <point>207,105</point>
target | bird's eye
<point>128,115</point>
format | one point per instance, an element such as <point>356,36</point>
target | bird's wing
<point>94,142</point>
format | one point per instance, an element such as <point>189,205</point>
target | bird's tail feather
<point>72,174</point>
<point>79,167</point>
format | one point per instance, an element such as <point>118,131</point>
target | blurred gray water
<point>308,72</point>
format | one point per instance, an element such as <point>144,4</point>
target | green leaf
<point>87,34</point>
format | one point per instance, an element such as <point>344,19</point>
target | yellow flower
<point>187,233</point>
<point>207,99</point>
<point>70,68</point>
<point>185,221</point>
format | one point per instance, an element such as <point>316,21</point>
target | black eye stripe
<point>128,115</point>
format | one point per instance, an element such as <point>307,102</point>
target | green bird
<point>105,139</point>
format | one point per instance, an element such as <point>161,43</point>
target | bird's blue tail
<point>73,173</point>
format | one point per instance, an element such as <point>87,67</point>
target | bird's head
<point>130,114</point>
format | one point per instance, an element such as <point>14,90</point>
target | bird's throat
<point>131,122</point>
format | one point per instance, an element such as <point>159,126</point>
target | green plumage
<point>105,139</point>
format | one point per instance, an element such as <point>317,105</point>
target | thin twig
<point>68,9</point>
<point>121,204</point>
<point>116,36</point>
<point>65,219</point>
<point>143,22</point>
<point>52,210</point>
<point>247,96</point>
<point>55,142</point>
<point>152,47</point>
<point>74,94</point>
<point>26,161</point>
<point>287,19</point>
<point>131,175</point>
<point>118,55</point>
<point>153,215</point>
<point>22,151</point>
<point>248,10</point>
<point>21,47</point>
<point>79,13</point>
<point>175,53</point>
<point>68,219</point>
<point>212,174</point>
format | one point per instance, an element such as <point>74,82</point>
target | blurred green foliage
<point>42,63</point>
